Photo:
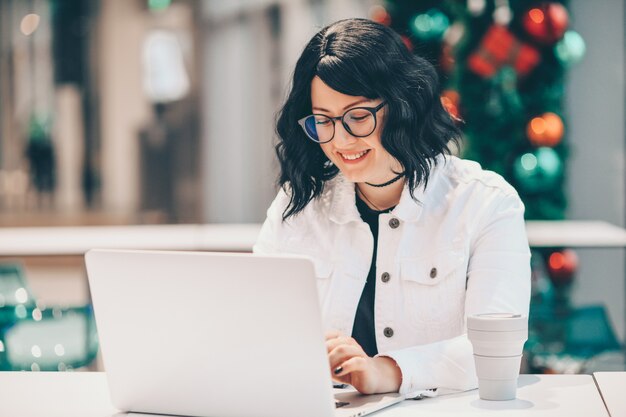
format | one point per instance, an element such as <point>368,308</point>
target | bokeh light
<point>29,24</point>
<point>536,15</point>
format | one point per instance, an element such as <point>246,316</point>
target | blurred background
<point>121,113</point>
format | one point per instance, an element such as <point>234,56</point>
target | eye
<point>322,121</point>
<point>359,116</point>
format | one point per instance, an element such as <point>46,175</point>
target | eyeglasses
<point>358,121</point>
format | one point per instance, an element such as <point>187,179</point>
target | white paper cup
<point>488,343</point>
<point>497,340</point>
<point>498,369</point>
<point>497,390</point>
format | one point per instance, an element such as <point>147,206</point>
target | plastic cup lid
<point>498,322</point>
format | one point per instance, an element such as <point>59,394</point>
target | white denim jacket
<point>460,249</point>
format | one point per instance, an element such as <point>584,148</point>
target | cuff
<point>446,364</point>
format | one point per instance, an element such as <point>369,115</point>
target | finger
<point>332,334</point>
<point>354,364</point>
<point>344,379</point>
<point>342,353</point>
<point>343,340</point>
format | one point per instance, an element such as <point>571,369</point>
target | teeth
<point>354,156</point>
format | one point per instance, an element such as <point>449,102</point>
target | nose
<point>342,135</point>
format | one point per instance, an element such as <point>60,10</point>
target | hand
<point>349,364</point>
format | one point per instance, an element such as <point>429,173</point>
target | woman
<point>406,239</point>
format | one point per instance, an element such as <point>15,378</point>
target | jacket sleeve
<point>498,281</point>
<point>271,231</point>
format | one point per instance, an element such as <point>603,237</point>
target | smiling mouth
<point>352,157</point>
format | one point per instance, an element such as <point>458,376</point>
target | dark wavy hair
<point>359,57</point>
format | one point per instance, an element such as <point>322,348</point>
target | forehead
<point>322,96</point>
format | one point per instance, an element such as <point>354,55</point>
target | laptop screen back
<point>210,334</point>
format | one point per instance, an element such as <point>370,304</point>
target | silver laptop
<point>214,334</point>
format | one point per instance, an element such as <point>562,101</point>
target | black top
<point>363,330</point>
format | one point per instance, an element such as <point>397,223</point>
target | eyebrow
<point>347,107</point>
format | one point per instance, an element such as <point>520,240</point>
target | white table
<point>612,386</point>
<point>85,395</point>
<point>575,234</point>
<point>55,241</point>
<point>537,395</point>
<point>55,394</point>
<point>63,241</point>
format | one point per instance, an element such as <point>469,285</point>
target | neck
<point>381,198</point>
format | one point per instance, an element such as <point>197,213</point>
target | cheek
<point>382,156</point>
<point>374,142</point>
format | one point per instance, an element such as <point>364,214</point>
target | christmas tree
<point>502,65</point>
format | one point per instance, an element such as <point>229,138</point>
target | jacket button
<point>388,332</point>
<point>433,273</point>
<point>385,277</point>
<point>394,223</point>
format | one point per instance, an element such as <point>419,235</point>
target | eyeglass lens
<point>358,122</point>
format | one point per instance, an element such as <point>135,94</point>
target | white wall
<point>596,188</point>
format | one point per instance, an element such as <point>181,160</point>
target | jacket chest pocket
<point>434,287</point>
<point>323,272</point>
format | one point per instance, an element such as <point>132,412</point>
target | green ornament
<point>159,5</point>
<point>430,25</point>
<point>571,49</point>
<point>504,96</point>
<point>39,128</point>
<point>539,170</point>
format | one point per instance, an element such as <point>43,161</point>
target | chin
<point>353,176</point>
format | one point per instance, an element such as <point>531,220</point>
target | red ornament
<point>499,48</point>
<point>545,130</point>
<point>407,42</point>
<point>450,100</point>
<point>380,15</point>
<point>546,23</point>
<point>562,265</point>
<point>447,58</point>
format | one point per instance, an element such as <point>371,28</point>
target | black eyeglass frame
<point>372,110</point>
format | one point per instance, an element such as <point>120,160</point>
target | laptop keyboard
<point>339,404</point>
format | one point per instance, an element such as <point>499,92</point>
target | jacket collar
<point>343,201</point>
